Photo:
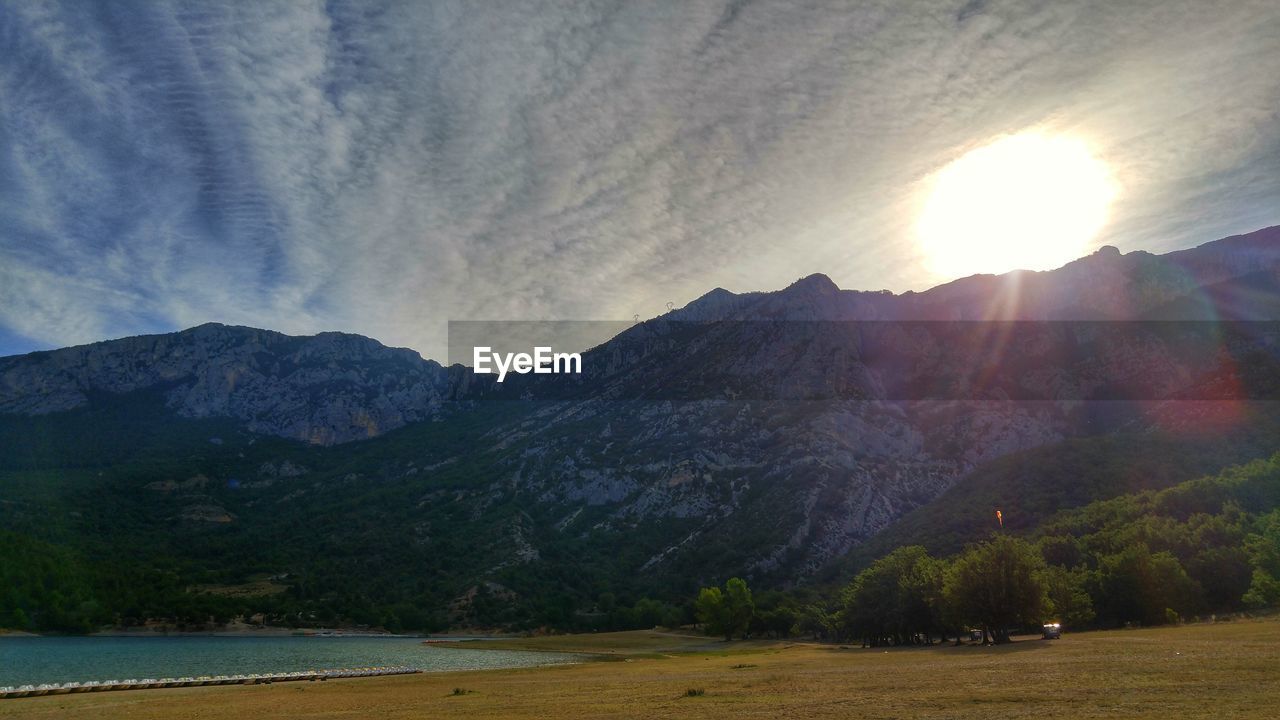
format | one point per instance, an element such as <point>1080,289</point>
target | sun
<point>1028,201</point>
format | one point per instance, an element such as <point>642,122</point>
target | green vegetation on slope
<point>1210,545</point>
<point>135,515</point>
<point>119,513</point>
<point>1030,486</point>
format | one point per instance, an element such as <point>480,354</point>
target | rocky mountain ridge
<point>324,389</point>
<point>334,387</point>
<point>765,434</point>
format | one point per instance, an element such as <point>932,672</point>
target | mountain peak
<point>321,389</point>
<point>816,283</point>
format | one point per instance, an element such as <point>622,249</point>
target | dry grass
<point>1224,670</point>
<point>633,644</point>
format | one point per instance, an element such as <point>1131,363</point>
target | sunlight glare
<point>1027,201</point>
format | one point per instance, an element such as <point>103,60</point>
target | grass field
<point>616,645</point>
<point>1224,670</point>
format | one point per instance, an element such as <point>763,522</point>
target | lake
<point>34,660</point>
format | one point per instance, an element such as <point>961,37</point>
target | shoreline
<point>43,689</point>
<point>1124,673</point>
<point>238,633</point>
<point>245,630</point>
<point>412,656</point>
<point>239,628</point>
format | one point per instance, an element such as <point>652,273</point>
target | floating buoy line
<point>151,683</point>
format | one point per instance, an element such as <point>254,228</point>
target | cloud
<point>384,169</point>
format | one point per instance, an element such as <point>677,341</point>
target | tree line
<point>1202,547</point>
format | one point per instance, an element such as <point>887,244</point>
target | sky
<point>383,168</point>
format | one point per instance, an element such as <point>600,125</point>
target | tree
<point>674,617</point>
<point>895,601</point>
<point>737,598</point>
<point>1068,599</point>
<point>20,619</point>
<point>1136,585</point>
<point>925,608</point>
<point>814,621</point>
<point>711,611</point>
<point>1263,592</point>
<point>776,622</point>
<point>775,614</point>
<point>1264,555</point>
<point>998,584</point>
<point>1224,573</point>
<point>725,613</point>
<point>649,613</point>
<point>1061,550</point>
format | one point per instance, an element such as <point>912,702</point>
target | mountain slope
<point>323,389</point>
<point>765,434</point>
<point>1032,485</point>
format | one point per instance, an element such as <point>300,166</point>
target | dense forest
<point>83,548</point>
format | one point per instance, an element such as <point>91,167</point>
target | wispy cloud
<point>383,169</point>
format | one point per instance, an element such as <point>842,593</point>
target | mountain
<point>325,389</point>
<point>1107,285</point>
<point>767,434</point>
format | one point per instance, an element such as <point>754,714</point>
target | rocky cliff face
<point>812,417</point>
<point>325,389</point>
<point>769,432</point>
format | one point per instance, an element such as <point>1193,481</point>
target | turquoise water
<point>34,660</point>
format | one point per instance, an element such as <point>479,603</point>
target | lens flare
<point>1027,201</point>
